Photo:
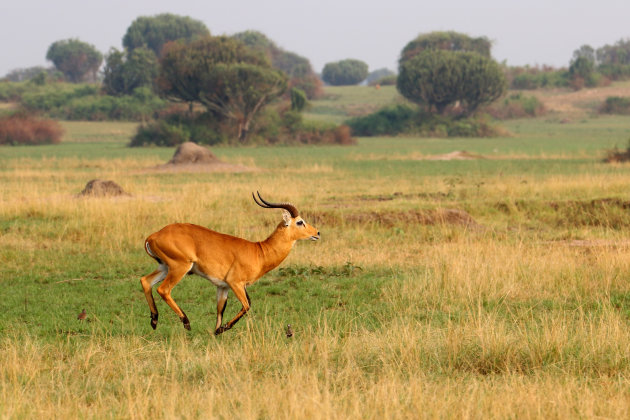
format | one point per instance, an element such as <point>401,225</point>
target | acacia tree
<point>345,72</point>
<point>154,32</point>
<point>243,90</point>
<point>440,78</point>
<point>222,74</point>
<point>77,60</point>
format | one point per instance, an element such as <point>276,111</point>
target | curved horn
<point>267,205</point>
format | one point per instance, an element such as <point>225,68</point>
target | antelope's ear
<point>286,216</point>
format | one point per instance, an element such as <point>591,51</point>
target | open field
<point>520,311</point>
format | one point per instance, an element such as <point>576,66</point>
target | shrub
<point>12,91</point>
<point>272,127</point>
<point>375,76</point>
<point>516,105</point>
<point>447,126</point>
<point>615,71</point>
<point>615,155</point>
<point>527,78</point>
<point>50,98</point>
<point>160,133</point>
<point>179,128</point>
<point>616,105</point>
<point>25,129</point>
<point>143,104</point>
<point>385,81</point>
<point>84,102</point>
<point>391,120</point>
<point>298,99</point>
<point>321,133</point>
<point>402,119</point>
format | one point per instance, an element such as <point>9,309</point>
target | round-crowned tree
<point>449,41</point>
<point>345,72</point>
<point>124,72</point>
<point>77,60</point>
<point>228,78</point>
<point>154,31</point>
<point>297,68</point>
<point>441,78</point>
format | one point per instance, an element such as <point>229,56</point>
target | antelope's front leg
<point>243,297</point>
<point>222,295</point>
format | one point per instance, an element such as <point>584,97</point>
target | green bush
<point>298,99</point>
<point>13,91</point>
<point>377,75</point>
<point>143,104</point>
<point>615,71</point>
<point>516,105</point>
<point>179,128</point>
<point>385,81</point>
<point>529,78</point>
<point>84,102</point>
<point>50,98</point>
<point>404,120</point>
<point>616,105</point>
<point>160,133</point>
<point>272,127</point>
<point>390,121</point>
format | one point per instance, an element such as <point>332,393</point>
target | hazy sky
<point>523,32</point>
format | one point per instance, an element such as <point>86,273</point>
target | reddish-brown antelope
<point>227,261</point>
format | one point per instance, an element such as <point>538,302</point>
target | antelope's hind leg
<point>148,282</point>
<point>174,275</point>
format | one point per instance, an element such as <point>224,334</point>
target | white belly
<point>217,282</point>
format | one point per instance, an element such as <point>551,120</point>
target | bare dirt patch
<point>191,157</point>
<point>575,104</point>
<point>396,218</point>
<point>456,155</point>
<point>103,188</point>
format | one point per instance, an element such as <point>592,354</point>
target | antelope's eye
<point>300,223</point>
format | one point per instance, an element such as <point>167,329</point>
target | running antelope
<point>227,261</point>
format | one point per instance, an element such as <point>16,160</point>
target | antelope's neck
<point>274,250</point>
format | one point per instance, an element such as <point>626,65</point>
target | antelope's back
<point>213,252</point>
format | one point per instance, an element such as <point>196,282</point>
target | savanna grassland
<point>517,305</point>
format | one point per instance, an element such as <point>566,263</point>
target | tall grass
<point>523,314</point>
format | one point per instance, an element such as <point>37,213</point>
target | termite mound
<point>192,153</point>
<point>192,157</point>
<point>102,188</point>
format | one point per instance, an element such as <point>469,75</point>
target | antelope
<point>227,261</point>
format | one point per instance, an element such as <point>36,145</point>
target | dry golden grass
<point>509,320</point>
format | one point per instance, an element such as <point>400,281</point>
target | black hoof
<point>154,320</point>
<point>221,329</point>
<point>186,322</point>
